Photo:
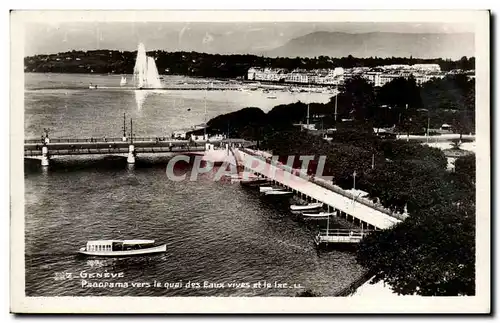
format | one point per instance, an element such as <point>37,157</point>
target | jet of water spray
<point>145,72</point>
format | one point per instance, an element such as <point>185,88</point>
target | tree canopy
<point>210,65</point>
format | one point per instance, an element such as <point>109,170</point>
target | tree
<point>403,96</point>
<point>432,253</point>
<point>466,165</point>
<point>233,123</point>
<point>360,98</point>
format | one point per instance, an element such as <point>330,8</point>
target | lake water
<point>216,232</point>
<point>64,104</point>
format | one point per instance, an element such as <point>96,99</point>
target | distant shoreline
<point>276,85</point>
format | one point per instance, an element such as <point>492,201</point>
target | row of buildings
<point>378,76</point>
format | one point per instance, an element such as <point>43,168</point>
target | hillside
<point>207,65</point>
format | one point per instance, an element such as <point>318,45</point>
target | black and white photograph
<point>253,162</point>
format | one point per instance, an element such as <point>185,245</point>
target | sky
<point>223,38</point>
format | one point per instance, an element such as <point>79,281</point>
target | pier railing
<point>327,236</point>
<point>135,139</point>
<point>343,232</point>
<point>325,184</point>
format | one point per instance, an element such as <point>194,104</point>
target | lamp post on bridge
<point>131,148</point>
<point>124,138</point>
<point>46,138</point>
<point>45,149</point>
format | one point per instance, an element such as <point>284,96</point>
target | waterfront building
<point>422,78</point>
<point>297,76</point>
<point>386,78</point>
<point>378,76</point>
<point>179,134</point>
<point>251,73</point>
<point>426,67</point>
<point>394,67</point>
<point>266,74</point>
<point>338,71</point>
<point>373,77</point>
<point>331,79</point>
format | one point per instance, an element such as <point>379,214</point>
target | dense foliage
<point>209,65</point>
<point>410,107</point>
<point>432,253</point>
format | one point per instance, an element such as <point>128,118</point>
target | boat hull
<point>317,215</point>
<point>125,253</point>
<point>277,193</point>
<point>309,207</point>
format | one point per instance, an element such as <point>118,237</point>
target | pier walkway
<point>369,215</point>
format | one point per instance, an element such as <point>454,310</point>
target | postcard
<point>250,162</point>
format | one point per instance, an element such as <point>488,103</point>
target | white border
<point>479,303</point>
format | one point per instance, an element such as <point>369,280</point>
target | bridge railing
<point>323,183</point>
<point>99,139</point>
<point>120,139</point>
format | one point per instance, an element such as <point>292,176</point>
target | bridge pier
<point>45,156</point>
<point>131,154</point>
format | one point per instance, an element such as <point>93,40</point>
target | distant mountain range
<point>267,39</point>
<point>380,44</point>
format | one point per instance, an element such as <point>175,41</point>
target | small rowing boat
<point>254,181</point>
<point>320,215</point>
<point>264,189</point>
<point>278,192</point>
<point>307,207</point>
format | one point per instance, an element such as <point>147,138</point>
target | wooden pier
<point>368,215</point>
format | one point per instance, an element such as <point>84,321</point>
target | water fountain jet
<point>146,74</point>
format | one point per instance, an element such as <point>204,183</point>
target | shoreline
<point>236,81</point>
<point>351,289</point>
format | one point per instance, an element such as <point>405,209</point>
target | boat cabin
<point>446,126</point>
<point>118,245</point>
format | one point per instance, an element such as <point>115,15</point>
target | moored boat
<point>307,207</point>
<point>255,181</point>
<point>250,179</point>
<point>320,215</point>
<point>121,248</point>
<point>278,192</point>
<point>264,189</point>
